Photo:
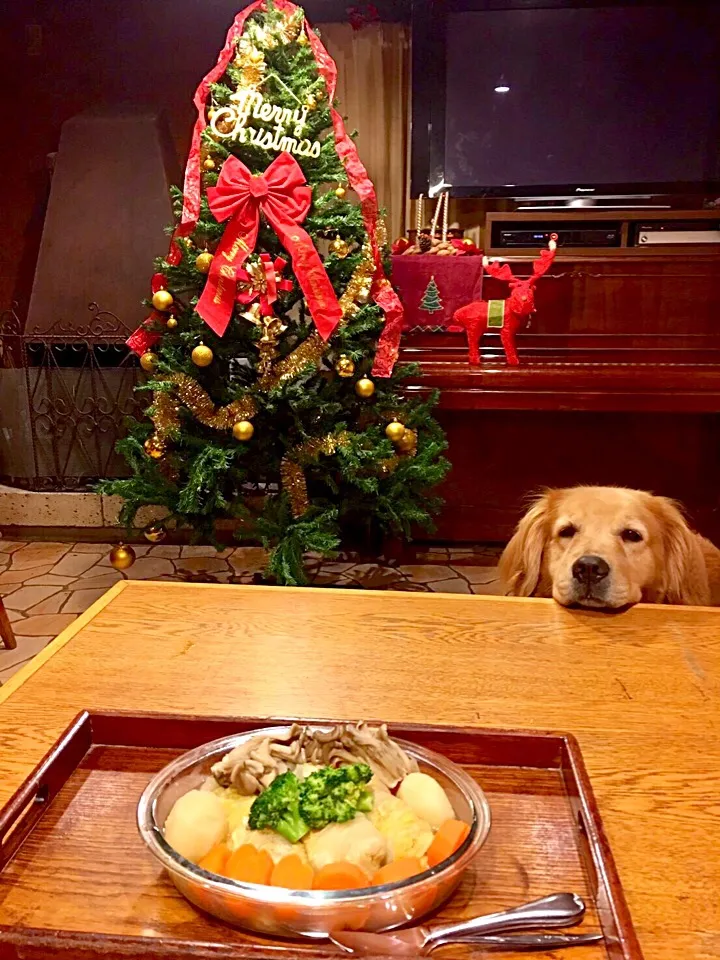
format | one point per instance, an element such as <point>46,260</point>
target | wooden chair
<point>6,630</point>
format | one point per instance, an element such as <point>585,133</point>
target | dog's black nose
<point>590,569</point>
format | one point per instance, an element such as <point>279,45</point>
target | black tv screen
<point>566,98</point>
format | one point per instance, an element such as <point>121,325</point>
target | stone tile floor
<point>45,585</point>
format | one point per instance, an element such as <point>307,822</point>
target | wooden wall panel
<point>501,457</point>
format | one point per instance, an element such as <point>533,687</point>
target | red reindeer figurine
<point>506,315</point>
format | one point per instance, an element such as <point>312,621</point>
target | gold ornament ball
<point>407,442</point>
<point>344,367</point>
<point>311,102</point>
<point>208,163</point>
<point>172,323</point>
<point>154,447</point>
<point>302,39</point>
<point>339,247</point>
<point>340,192</point>
<point>395,431</point>
<point>202,356</point>
<point>365,387</point>
<point>203,261</point>
<point>155,533</point>
<point>162,300</point>
<point>243,430</point>
<point>122,557</point>
<point>149,362</point>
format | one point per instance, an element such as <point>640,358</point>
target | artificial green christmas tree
<point>271,369</point>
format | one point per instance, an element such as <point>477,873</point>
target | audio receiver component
<point>668,232</point>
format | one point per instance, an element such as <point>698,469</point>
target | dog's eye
<point>567,531</point>
<point>631,536</point>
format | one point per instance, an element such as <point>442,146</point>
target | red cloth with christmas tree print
<point>458,281</point>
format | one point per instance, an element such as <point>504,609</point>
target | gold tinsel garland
<point>166,417</point>
<point>360,283</point>
<point>381,234</point>
<point>312,349</point>
<point>388,465</point>
<point>292,473</point>
<point>295,486</point>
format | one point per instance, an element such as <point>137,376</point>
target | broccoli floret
<point>334,795</point>
<point>277,808</point>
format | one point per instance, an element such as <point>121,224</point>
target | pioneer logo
<point>584,189</point>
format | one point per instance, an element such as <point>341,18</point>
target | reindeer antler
<point>499,271</point>
<point>542,265</point>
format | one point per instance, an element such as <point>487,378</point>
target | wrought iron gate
<point>65,394</point>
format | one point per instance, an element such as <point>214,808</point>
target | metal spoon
<point>557,910</point>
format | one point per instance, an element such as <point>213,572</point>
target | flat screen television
<point>566,98</point>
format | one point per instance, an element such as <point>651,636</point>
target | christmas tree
<point>274,397</point>
<point>431,301</point>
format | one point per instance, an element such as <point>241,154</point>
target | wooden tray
<point>77,881</point>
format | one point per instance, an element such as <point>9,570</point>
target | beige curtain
<point>373,90</point>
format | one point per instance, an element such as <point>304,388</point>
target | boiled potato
<point>356,841</point>
<point>195,824</point>
<point>424,795</point>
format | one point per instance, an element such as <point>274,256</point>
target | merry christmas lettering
<point>231,123</point>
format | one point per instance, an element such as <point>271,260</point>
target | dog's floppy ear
<point>521,562</point>
<point>683,573</point>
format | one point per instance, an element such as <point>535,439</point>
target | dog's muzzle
<point>590,577</point>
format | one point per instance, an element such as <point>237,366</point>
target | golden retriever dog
<point>607,548</point>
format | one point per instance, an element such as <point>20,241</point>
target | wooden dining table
<point>639,689</point>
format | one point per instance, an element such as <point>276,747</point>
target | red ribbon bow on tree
<point>284,199</point>
<point>263,280</point>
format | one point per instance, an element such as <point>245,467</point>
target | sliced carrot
<point>291,872</point>
<point>249,865</point>
<point>340,876</point>
<point>216,859</point>
<point>446,841</point>
<point>397,870</point>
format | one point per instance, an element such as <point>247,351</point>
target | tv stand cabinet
<point>618,383</point>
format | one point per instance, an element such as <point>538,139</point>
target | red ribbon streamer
<point>383,295</point>
<point>142,339</point>
<point>158,282</point>
<point>284,199</point>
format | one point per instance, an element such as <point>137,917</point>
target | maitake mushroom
<point>254,764</point>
